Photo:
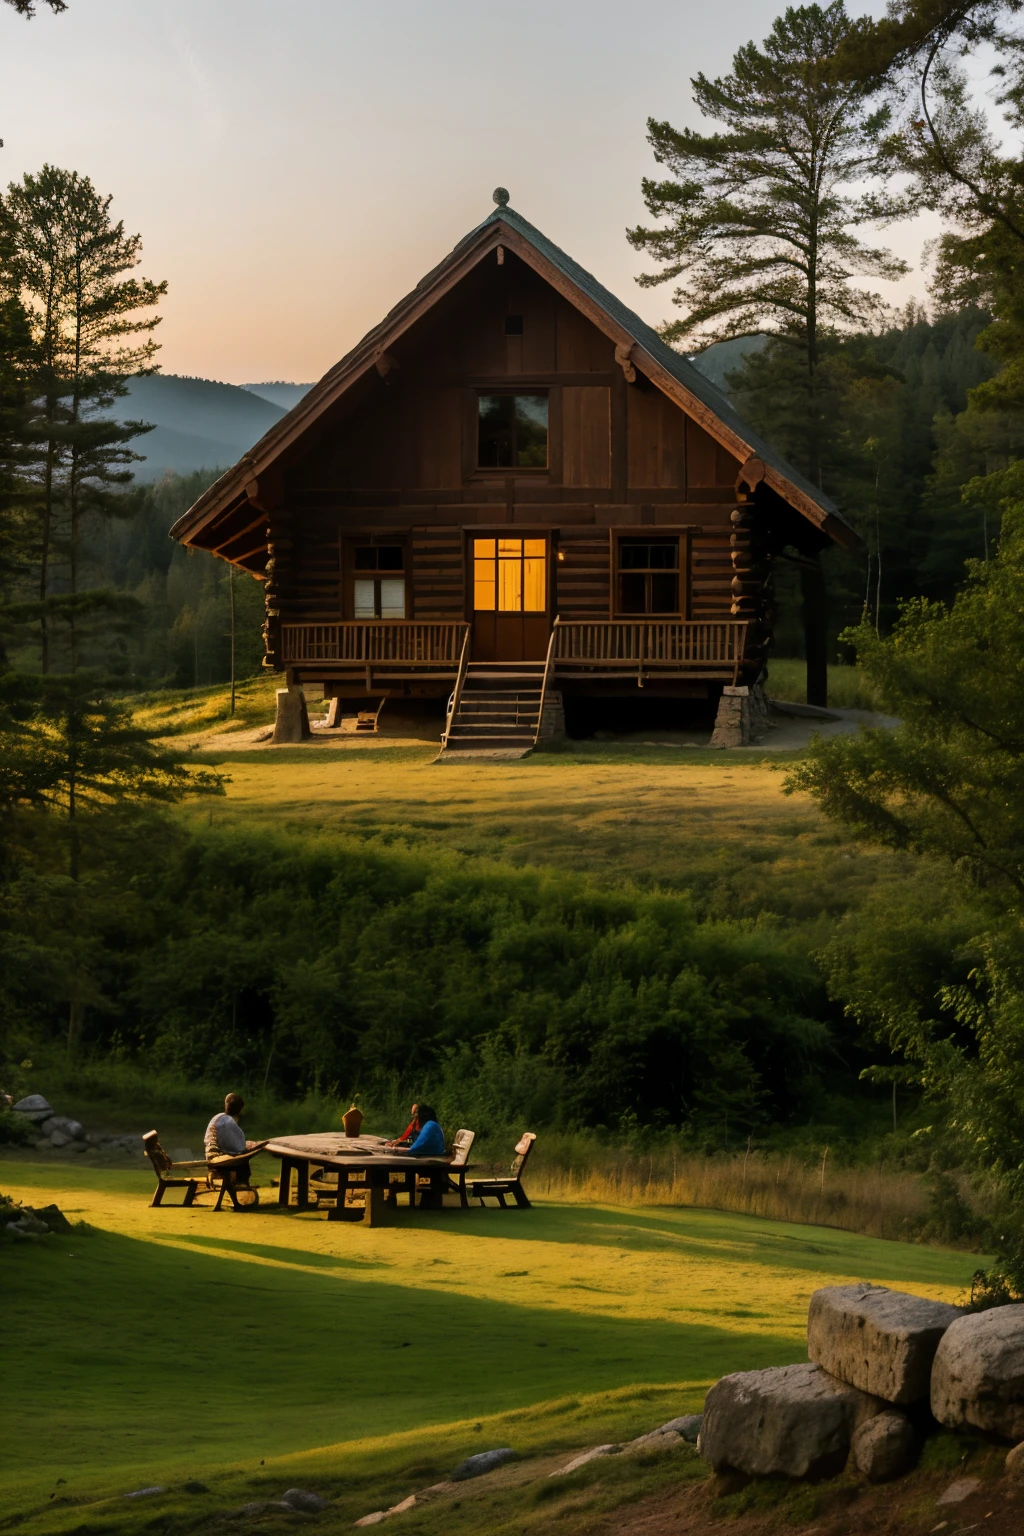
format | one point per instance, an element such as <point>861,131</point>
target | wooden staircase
<point>497,710</point>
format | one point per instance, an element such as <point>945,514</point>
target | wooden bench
<point>510,1184</point>
<point>225,1172</point>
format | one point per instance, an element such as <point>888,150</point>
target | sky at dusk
<point>295,167</point>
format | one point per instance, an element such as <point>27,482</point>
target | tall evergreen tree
<point>93,329</point>
<point>761,215</point>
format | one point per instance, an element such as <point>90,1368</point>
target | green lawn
<point>171,1344</point>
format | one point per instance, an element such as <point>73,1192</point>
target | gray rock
<point>145,1493</point>
<point>957,1492</point>
<point>59,1139</point>
<point>688,1426</point>
<point>33,1104</point>
<point>596,1453</point>
<point>29,1225</point>
<point>305,1499</point>
<point>789,1420</point>
<point>483,1461</point>
<point>978,1375</point>
<point>880,1341</point>
<point>656,1440</point>
<point>72,1128</point>
<point>884,1446</point>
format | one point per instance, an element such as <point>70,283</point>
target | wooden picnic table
<point>361,1163</point>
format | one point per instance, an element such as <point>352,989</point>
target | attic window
<point>513,431</point>
<point>513,325</point>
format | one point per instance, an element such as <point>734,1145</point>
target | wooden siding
<point>586,436</point>
<point>438,577</point>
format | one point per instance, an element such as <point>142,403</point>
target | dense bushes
<point>281,961</point>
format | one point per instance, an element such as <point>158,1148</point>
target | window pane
<point>664,593</point>
<point>533,586</point>
<point>495,436</point>
<point>510,585</point>
<point>632,556</point>
<point>510,548</point>
<point>363,607</point>
<point>535,547</point>
<point>664,555</point>
<point>484,574</point>
<point>389,557</point>
<point>633,593</point>
<point>531,417</point>
<point>483,549</point>
<point>392,599</point>
<point>366,560</point>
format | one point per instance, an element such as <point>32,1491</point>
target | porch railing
<point>709,648</point>
<point>405,641</point>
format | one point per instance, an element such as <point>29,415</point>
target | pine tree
<point>93,329</point>
<point>761,216</point>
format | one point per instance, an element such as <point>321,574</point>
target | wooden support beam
<point>815,616</point>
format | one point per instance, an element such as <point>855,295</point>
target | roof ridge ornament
<point>500,196</point>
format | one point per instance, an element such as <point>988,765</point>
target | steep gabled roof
<point>636,343</point>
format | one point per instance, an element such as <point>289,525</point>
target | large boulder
<point>34,1107</point>
<point>978,1375</point>
<point>879,1340</point>
<point>884,1446</point>
<point>789,1420</point>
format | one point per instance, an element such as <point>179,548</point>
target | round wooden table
<point>361,1163</point>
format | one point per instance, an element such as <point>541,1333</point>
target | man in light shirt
<point>224,1136</point>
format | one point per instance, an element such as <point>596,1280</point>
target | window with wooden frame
<point>378,581</point>
<point>512,430</point>
<point>649,574</point>
<point>510,575</point>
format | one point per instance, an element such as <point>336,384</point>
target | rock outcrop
<point>978,1375</point>
<point>789,1421</point>
<point>884,1446</point>
<point>879,1340</point>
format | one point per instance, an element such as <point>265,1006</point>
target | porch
<point>382,654</point>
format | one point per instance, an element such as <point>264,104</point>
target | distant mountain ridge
<point>200,423</point>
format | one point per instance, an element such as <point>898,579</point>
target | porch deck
<point>379,654</point>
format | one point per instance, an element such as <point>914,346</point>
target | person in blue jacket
<point>430,1141</point>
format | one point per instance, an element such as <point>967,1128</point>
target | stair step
<point>511,740</point>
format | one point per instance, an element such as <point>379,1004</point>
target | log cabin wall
<point>399,465</point>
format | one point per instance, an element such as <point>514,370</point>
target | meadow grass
<point>719,826</point>
<point>169,1344</point>
<point>848,688</point>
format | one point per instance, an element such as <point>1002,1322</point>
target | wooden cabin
<point>513,488</point>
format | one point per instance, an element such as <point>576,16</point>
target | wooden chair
<point>231,1174</point>
<point>170,1175</point>
<point>510,1185</point>
<point>461,1148</point>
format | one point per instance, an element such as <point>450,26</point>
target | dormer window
<point>513,431</point>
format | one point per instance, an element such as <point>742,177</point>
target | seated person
<point>410,1131</point>
<point>225,1137</point>
<point>430,1141</point>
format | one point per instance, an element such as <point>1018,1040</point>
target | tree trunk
<point>815,614</point>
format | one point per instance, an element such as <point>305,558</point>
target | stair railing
<point>460,681</point>
<point>548,668</point>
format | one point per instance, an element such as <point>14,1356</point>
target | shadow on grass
<point>117,1342</point>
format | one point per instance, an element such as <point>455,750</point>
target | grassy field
<point>721,828</point>
<point>159,1346</point>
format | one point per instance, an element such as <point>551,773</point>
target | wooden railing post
<point>459,681</point>
<point>544,681</point>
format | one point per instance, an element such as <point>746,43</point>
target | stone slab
<point>884,1446</point>
<point>789,1421</point>
<point>880,1341</point>
<point>978,1374</point>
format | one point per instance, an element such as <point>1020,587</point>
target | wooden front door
<point>510,597</point>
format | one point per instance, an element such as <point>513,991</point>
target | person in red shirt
<point>411,1130</point>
